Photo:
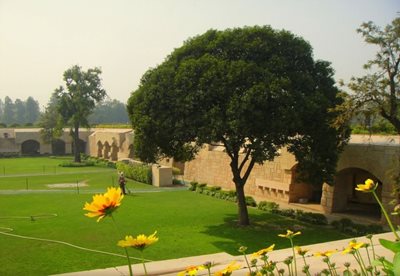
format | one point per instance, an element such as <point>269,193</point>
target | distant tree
<point>50,121</point>
<point>19,112</point>
<point>76,101</point>
<point>378,91</point>
<point>32,110</point>
<point>109,112</point>
<point>255,90</point>
<point>8,111</point>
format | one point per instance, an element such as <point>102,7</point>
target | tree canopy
<point>76,102</point>
<point>378,91</point>
<point>253,89</point>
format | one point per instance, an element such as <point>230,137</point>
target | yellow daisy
<point>140,242</point>
<point>191,270</point>
<point>228,270</point>
<point>367,187</point>
<point>104,204</point>
<point>325,253</point>
<point>353,245</point>
<point>289,234</point>
<point>262,252</point>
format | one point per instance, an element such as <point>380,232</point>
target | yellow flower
<point>368,186</point>
<point>353,245</point>
<point>191,270</point>
<point>140,242</point>
<point>104,204</point>
<point>301,251</point>
<point>289,234</point>
<point>262,252</point>
<point>228,270</point>
<point>325,253</point>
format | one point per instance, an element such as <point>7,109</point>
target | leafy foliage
<point>76,101</point>
<point>140,173</point>
<point>253,89</point>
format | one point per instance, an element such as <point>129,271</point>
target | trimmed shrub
<point>176,171</point>
<point>347,226</point>
<point>193,186</point>
<point>268,206</point>
<point>313,218</point>
<point>250,201</point>
<point>140,173</point>
<point>71,164</point>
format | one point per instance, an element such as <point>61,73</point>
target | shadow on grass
<point>263,232</point>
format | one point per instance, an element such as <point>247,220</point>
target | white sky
<point>40,39</point>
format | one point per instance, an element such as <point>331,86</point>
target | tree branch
<point>244,160</point>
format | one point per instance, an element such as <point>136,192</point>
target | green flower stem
<point>294,257</point>
<point>143,262</point>
<point>126,250</point>
<point>373,249</point>
<point>331,268</point>
<point>247,261</point>
<point>305,264</point>
<point>358,258</point>
<point>129,261</point>
<point>386,216</point>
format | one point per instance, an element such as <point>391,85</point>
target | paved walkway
<point>221,260</point>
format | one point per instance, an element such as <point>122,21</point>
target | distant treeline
<point>26,113</point>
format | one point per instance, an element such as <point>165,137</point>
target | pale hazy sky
<point>40,39</point>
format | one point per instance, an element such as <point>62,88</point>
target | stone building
<point>364,157</point>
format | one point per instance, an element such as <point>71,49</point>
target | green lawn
<point>36,165</point>
<point>188,224</point>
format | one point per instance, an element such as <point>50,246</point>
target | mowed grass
<point>188,223</point>
<point>37,178</point>
<point>36,165</point>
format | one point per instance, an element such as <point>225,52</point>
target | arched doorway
<point>347,200</point>
<point>58,147</point>
<point>107,148</point>
<point>99,149</point>
<point>30,147</point>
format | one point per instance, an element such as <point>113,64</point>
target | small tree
<point>50,121</point>
<point>378,91</point>
<point>76,101</point>
<point>253,89</point>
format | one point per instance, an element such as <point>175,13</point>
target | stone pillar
<point>161,176</point>
<point>327,198</point>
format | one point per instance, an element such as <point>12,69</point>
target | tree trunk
<point>242,207</point>
<point>77,154</point>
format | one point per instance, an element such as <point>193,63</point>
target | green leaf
<point>392,246</point>
<point>396,264</point>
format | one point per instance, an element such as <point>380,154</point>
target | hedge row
<point>140,173</point>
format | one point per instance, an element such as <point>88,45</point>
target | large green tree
<point>76,101</point>
<point>253,89</point>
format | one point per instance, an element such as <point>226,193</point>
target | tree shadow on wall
<point>263,232</point>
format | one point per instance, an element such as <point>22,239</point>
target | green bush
<point>250,201</point>
<point>347,226</point>
<point>268,206</point>
<point>141,173</point>
<point>176,171</point>
<point>313,218</point>
<point>193,186</point>
<point>71,164</point>
<point>201,187</point>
